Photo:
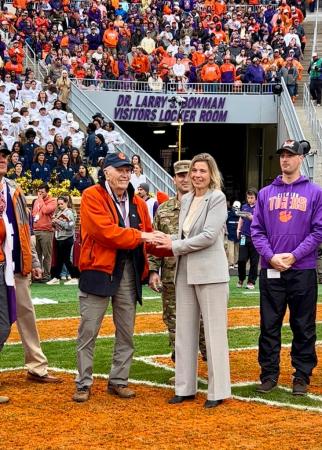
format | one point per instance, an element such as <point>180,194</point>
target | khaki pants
<point>211,301</point>
<point>44,247</point>
<point>92,310</point>
<point>35,361</point>
<point>232,252</point>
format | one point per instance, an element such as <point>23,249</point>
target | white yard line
<point>202,391</point>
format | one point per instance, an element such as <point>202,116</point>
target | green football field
<point>152,345</point>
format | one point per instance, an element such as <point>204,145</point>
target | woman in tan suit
<point>201,281</point>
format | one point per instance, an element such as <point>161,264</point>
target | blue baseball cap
<point>117,160</point>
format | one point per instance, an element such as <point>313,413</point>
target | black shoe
<point>180,398</point>
<point>204,358</point>
<point>299,386</point>
<point>266,386</point>
<point>173,356</point>
<point>212,403</point>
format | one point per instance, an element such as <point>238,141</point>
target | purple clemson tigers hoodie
<point>288,219</point>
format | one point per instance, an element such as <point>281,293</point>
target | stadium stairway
<point>309,116</point>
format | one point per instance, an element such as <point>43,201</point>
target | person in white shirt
<point>58,112</point>
<point>31,78</point>
<point>60,129</point>
<point>51,95</point>
<point>178,68</point>
<point>292,35</point>
<point>99,53</point>
<point>151,203</point>
<point>8,140</point>
<point>137,177</point>
<point>4,97</point>
<point>9,84</point>
<point>76,134</point>
<point>13,103</point>
<point>113,138</point>
<point>173,47</point>
<point>42,101</point>
<point>148,43</point>
<point>4,117</point>
<point>15,127</point>
<point>26,93</point>
<point>155,82</point>
<point>34,89</point>
<point>44,121</point>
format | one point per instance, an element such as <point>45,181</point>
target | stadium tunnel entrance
<point>245,154</point>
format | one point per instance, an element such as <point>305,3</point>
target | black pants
<point>315,90</point>
<point>296,289</point>
<point>64,248</point>
<point>248,252</point>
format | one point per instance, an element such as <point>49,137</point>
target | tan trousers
<point>211,301</point>
<point>44,247</point>
<point>35,361</point>
<point>232,252</point>
<point>92,310</point>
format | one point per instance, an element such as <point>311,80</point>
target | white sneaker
<point>231,266</point>
<point>53,281</point>
<point>250,286</point>
<point>71,282</point>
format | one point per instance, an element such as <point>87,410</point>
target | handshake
<point>157,238</point>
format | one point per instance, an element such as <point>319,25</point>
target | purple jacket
<point>288,219</point>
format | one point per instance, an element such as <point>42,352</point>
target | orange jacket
<point>18,52</point>
<point>20,4</point>
<point>210,72</point>
<point>10,67</point>
<point>101,234</point>
<point>198,59</point>
<point>140,64</point>
<point>110,38</point>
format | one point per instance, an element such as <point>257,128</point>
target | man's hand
<point>37,273</point>
<point>154,281</point>
<point>288,258</point>
<point>279,262</point>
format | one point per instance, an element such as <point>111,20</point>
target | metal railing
<point>96,84</point>
<point>84,108</point>
<point>294,128</point>
<point>312,119</point>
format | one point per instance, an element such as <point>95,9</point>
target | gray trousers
<point>92,310</point>
<point>44,247</point>
<point>4,311</point>
<point>211,301</point>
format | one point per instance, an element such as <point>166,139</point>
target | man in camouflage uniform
<point>319,264</point>
<point>167,221</point>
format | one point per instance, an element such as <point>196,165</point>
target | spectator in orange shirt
<point>228,71</point>
<point>17,51</point>
<point>140,63</point>
<point>14,66</point>
<point>198,57</point>
<point>210,72</point>
<point>111,38</point>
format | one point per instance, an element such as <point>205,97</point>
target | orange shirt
<point>220,8</point>
<point>198,59</point>
<point>140,64</point>
<point>210,72</point>
<point>10,67</point>
<point>110,38</point>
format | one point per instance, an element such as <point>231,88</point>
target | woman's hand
<point>162,240</point>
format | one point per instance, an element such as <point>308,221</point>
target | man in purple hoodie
<point>286,231</point>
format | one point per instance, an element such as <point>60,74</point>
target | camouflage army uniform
<point>167,221</point>
<point>319,264</point>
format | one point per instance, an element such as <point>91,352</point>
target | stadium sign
<point>202,108</point>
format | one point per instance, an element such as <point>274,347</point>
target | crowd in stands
<point>158,42</point>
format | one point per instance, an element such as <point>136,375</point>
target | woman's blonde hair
<point>215,176</point>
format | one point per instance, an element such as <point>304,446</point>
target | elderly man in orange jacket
<point>115,229</point>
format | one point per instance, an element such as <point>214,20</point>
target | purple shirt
<point>288,219</point>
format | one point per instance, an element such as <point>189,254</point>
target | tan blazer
<point>207,262</point>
